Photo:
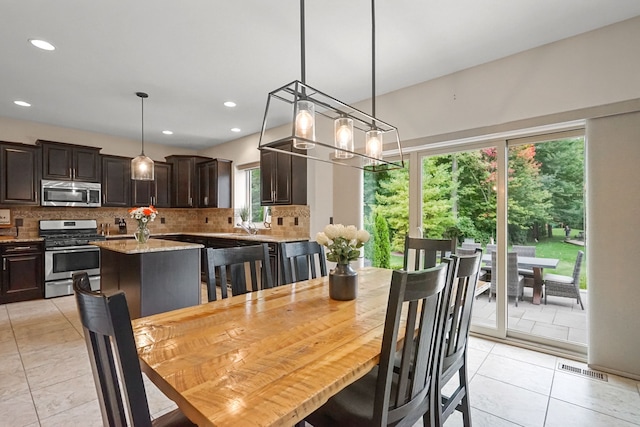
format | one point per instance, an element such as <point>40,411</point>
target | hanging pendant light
<point>343,129</point>
<point>310,114</point>
<point>305,111</point>
<point>142,166</point>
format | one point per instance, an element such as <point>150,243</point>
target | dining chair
<point>459,295</point>
<point>528,251</point>
<point>427,251</point>
<point>302,261</point>
<point>219,262</point>
<point>565,286</point>
<point>114,360</point>
<point>515,282</point>
<point>398,390</point>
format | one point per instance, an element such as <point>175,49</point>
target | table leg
<point>537,285</point>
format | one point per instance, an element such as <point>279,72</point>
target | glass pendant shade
<point>373,144</point>
<point>343,128</point>
<point>142,168</point>
<point>305,125</point>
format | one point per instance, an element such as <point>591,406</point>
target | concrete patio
<point>561,319</point>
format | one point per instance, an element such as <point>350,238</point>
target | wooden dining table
<point>536,264</point>
<point>266,358</point>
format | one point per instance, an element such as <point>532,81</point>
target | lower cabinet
<point>22,272</point>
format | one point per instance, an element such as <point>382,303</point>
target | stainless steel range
<point>67,251</point>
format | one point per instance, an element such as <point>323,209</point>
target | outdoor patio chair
<point>515,282</point>
<point>565,286</point>
<point>528,251</point>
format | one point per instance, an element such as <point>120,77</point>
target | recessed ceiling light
<point>230,104</point>
<point>167,132</point>
<point>22,103</point>
<point>235,129</point>
<point>42,44</point>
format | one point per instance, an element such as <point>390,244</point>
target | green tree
<point>392,200</point>
<point>562,174</point>
<point>382,246</point>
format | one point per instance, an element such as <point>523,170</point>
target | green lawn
<point>553,247</point>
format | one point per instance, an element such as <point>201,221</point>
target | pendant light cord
<point>373,60</point>
<point>302,42</point>
<point>142,100</point>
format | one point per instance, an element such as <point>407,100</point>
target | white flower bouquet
<point>343,242</point>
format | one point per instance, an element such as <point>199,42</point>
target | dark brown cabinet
<point>68,162</point>
<point>185,180</point>
<point>214,180</point>
<point>156,192</point>
<point>283,177</point>
<point>116,181</point>
<point>22,272</point>
<point>20,169</point>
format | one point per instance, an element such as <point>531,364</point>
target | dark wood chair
<point>428,252</point>
<point>114,360</point>
<point>302,261</point>
<point>458,300</point>
<point>219,262</point>
<point>397,391</point>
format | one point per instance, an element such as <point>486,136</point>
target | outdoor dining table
<point>266,358</point>
<point>537,265</point>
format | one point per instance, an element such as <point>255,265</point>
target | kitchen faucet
<point>249,227</point>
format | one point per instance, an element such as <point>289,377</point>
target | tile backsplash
<point>290,221</point>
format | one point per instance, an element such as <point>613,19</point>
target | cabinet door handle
<point>4,264</point>
<point>104,198</point>
<point>19,248</point>
<point>206,200</point>
<point>190,201</point>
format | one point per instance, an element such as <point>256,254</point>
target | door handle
<point>4,264</point>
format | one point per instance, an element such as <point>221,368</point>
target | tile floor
<point>45,379</point>
<point>560,319</point>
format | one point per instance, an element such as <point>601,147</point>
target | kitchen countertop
<point>12,239</point>
<point>267,238</point>
<point>130,246</point>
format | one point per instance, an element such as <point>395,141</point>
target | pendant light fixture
<point>357,139</point>
<point>142,166</point>
<point>305,121</point>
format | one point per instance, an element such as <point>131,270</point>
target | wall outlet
<point>229,220</point>
<point>19,222</point>
<point>206,220</point>
<point>295,221</point>
<point>117,221</point>
<point>162,220</point>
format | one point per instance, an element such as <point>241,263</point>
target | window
<point>256,212</point>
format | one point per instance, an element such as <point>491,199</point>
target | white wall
<point>613,231</point>
<point>29,132</point>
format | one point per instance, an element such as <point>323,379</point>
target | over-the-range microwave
<point>71,193</point>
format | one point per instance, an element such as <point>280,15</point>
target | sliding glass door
<point>505,196</point>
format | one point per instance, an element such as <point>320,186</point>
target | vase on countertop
<point>142,234</point>
<point>343,283</point>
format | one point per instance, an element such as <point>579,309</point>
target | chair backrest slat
<point>428,252</point>
<point>230,263</point>
<point>301,258</point>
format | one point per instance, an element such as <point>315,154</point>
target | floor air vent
<point>584,372</point>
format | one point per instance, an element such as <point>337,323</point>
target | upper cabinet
<point>214,179</point>
<point>116,181</point>
<point>20,174</point>
<point>156,192</point>
<point>68,162</point>
<point>283,177</point>
<point>185,180</point>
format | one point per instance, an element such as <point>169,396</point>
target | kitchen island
<point>156,276</point>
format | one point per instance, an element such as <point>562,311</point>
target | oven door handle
<point>73,249</point>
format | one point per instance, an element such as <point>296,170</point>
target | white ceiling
<point>191,56</point>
